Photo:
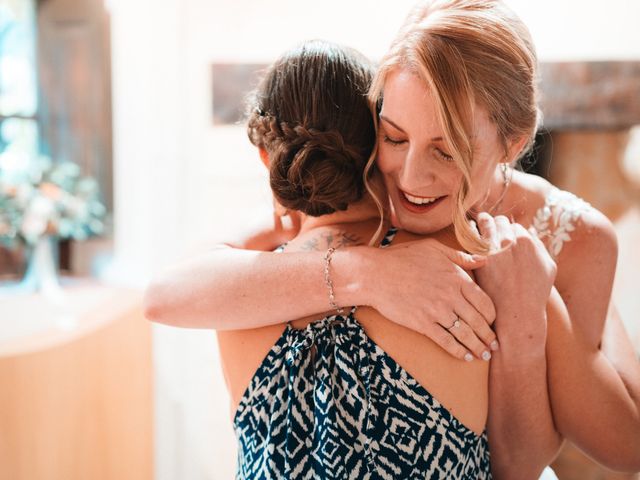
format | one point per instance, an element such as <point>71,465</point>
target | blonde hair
<point>468,52</point>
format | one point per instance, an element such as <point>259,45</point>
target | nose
<point>416,172</point>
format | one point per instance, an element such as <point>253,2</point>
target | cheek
<point>389,159</point>
<point>453,180</point>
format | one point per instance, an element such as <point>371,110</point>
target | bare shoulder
<point>587,257</point>
<point>527,194</point>
<point>593,234</point>
<point>569,226</point>
<point>576,230</point>
<point>587,263</point>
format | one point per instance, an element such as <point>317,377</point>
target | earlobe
<point>264,157</point>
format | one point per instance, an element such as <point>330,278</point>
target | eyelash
<point>444,156</point>
<point>440,153</point>
<point>391,141</point>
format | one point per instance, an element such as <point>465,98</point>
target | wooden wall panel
<point>78,405</point>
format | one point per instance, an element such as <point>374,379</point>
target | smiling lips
<point>419,204</point>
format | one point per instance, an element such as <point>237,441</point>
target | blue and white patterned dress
<point>328,403</point>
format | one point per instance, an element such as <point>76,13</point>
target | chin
<point>420,225</point>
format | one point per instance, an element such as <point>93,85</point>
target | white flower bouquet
<point>49,199</point>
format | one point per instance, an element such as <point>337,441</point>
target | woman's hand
<point>422,285</point>
<point>518,276</point>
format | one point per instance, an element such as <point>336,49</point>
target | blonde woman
<point>456,106</point>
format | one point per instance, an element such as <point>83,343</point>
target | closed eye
<point>392,141</point>
<point>443,156</point>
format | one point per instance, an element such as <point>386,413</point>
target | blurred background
<point>120,151</point>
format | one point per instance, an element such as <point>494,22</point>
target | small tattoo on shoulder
<point>328,237</point>
<point>349,239</point>
<point>310,245</point>
<point>326,240</point>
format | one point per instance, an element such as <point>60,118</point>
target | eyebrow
<point>396,126</point>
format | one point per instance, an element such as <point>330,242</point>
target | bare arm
<point>591,403</point>
<point>417,284</point>
<point>228,288</point>
<point>617,347</point>
<point>522,434</point>
<point>594,372</point>
<point>594,399</point>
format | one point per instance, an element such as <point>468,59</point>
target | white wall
<point>582,29</point>
<point>562,29</point>
<point>179,180</point>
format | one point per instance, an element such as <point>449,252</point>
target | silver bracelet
<point>328,282</point>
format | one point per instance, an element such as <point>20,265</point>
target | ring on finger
<point>456,323</point>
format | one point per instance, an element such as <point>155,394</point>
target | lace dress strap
<point>555,220</point>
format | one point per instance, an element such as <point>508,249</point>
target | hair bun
<point>313,171</point>
<point>311,115</point>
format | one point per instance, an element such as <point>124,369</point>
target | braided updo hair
<point>310,114</point>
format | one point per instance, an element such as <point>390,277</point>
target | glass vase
<point>41,274</point>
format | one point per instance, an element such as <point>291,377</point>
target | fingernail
<point>468,357</point>
<point>486,356</point>
<point>494,345</point>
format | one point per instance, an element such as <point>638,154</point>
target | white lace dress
<point>557,218</point>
